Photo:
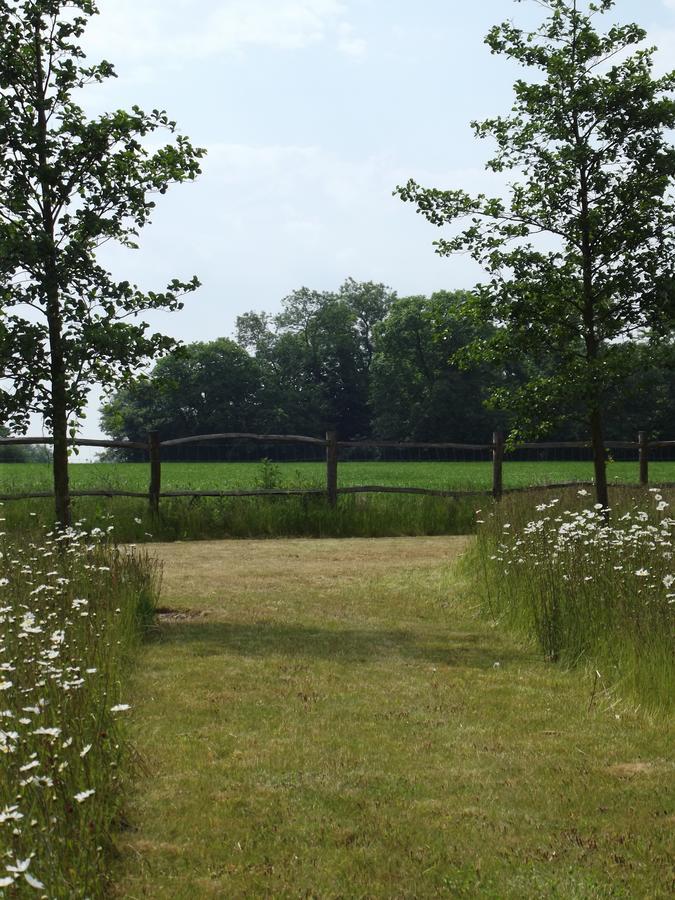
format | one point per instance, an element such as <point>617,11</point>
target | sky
<point>312,112</point>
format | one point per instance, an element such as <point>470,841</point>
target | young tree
<point>68,184</point>
<point>589,138</point>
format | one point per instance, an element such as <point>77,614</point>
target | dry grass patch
<point>342,725</point>
<point>196,573</point>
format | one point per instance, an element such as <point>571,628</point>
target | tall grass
<point>71,612</point>
<point>589,590</point>
<point>370,515</point>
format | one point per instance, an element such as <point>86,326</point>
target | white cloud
<point>290,215</point>
<point>348,42</point>
<point>170,28</point>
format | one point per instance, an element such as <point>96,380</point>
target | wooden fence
<point>153,446</point>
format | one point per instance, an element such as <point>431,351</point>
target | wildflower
<point>121,707</point>
<point>10,813</point>
<point>82,796</point>
<point>668,581</point>
<point>642,573</point>
<point>49,732</point>
<point>20,867</point>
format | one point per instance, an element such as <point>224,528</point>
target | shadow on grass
<point>350,645</point>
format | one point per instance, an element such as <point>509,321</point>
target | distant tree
<point>203,388</point>
<point>316,356</point>
<point>417,391</point>
<point>645,399</point>
<point>590,136</point>
<point>69,184</point>
<point>370,303</point>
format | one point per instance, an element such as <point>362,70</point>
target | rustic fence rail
<point>497,447</point>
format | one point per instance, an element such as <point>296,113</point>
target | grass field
<point>333,719</point>
<point>373,515</point>
<point>231,476</point>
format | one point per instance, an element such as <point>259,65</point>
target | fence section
<point>154,448</point>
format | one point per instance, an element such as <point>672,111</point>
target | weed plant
<point>589,589</point>
<point>72,608</point>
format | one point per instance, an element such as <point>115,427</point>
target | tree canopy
<point>417,392</point>
<point>202,388</point>
<point>309,368</point>
<point>316,356</point>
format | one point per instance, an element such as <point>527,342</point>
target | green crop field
<point>17,477</point>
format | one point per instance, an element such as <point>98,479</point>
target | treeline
<point>370,364</point>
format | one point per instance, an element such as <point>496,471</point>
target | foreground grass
<point>331,719</point>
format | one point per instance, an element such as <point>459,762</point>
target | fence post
<point>643,441</point>
<point>331,467</point>
<point>155,451</point>
<point>497,461</point>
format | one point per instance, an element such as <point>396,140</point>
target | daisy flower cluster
<point>574,541</point>
<point>582,579</point>
<point>67,613</point>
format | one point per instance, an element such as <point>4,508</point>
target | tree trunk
<point>60,467</point>
<point>591,338</point>
<point>59,414</point>
<point>599,459</point>
<point>50,284</point>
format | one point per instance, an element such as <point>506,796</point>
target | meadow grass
<point>72,609</point>
<point>357,516</point>
<point>243,517</point>
<point>17,477</point>
<point>336,719</point>
<point>592,592</point>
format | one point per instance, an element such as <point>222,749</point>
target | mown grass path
<point>333,720</point>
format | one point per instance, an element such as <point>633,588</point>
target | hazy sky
<point>312,111</point>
